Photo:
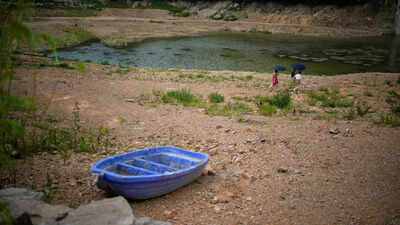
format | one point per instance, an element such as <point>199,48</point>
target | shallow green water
<point>251,52</point>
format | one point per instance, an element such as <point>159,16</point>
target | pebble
<point>282,170</point>
<point>334,131</point>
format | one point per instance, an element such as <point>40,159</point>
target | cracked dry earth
<point>280,169</point>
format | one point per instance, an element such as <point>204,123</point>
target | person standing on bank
<point>274,80</point>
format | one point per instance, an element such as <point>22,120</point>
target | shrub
<point>329,98</point>
<point>266,109</point>
<point>394,101</point>
<point>216,97</point>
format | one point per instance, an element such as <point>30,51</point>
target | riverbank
<point>309,162</point>
<point>119,27</point>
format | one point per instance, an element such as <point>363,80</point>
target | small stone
<point>143,221</point>
<point>334,131</point>
<point>282,170</point>
<point>130,100</point>
<point>217,208</point>
<point>167,213</point>
<point>219,127</point>
<point>249,198</point>
<point>348,133</point>
<point>213,152</point>
<point>227,130</point>
<point>208,171</point>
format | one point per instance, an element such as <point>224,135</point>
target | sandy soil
<point>282,169</point>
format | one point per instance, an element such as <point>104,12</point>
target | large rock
<point>20,194</point>
<point>111,211</point>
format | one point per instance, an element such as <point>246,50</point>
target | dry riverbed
<point>308,164</point>
<point>289,168</point>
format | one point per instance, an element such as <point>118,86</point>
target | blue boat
<point>149,172</point>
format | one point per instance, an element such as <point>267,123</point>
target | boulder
<point>108,211</point>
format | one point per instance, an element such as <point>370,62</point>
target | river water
<point>250,52</point>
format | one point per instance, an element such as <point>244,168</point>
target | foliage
<point>368,93</point>
<point>230,18</point>
<point>216,97</point>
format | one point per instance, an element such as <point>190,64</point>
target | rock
<point>157,222</point>
<point>282,170</point>
<point>348,133</point>
<point>218,16</point>
<point>334,131</point>
<point>20,194</point>
<point>114,211</point>
<point>219,127</point>
<point>208,171</point>
<point>143,221</point>
<point>130,100</point>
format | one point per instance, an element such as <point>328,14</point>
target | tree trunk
<point>397,25</point>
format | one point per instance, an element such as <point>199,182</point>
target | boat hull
<point>156,171</point>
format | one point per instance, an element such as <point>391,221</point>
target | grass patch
<point>230,18</point>
<point>328,98</point>
<point>228,109</point>
<point>216,97</point>
<point>266,109</point>
<point>183,96</point>
<point>391,120</point>
<point>105,63</point>
<point>281,100</point>
<point>80,66</point>
<point>156,21</point>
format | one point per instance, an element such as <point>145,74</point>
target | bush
<point>329,98</point>
<point>394,101</point>
<point>216,97</point>
<point>363,111</point>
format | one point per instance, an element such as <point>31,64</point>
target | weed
<point>328,98</point>
<point>228,109</point>
<point>368,93</point>
<point>200,76</point>
<point>394,101</point>
<point>362,111</point>
<point>266,109</point>
<point>350,115</point>
<point>240,98</point>
<point>216,97</point>
<point>81,66</point>
<point>5,216</point>
<point>105,63</point>
<point>398,80</point>
<point>390,120</point>
<point>182,14</point>
<point>389,83</point>
<point>183,96</point>
<point>302,111</point>
<point>156,21</point>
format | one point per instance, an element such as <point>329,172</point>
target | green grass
<point>230,18</point>
<point>266,109</point>
<point>80,66</point>
<point>228,109</point>
<point>281,100</point>
<point>328,98</point>
<point>183,96</point>
<point>216,97</point>
<point>105,63</point>
<point>391,120</point>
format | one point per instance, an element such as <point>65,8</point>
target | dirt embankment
<point>118,27</point>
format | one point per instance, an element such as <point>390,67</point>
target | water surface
<point>250,52</point>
